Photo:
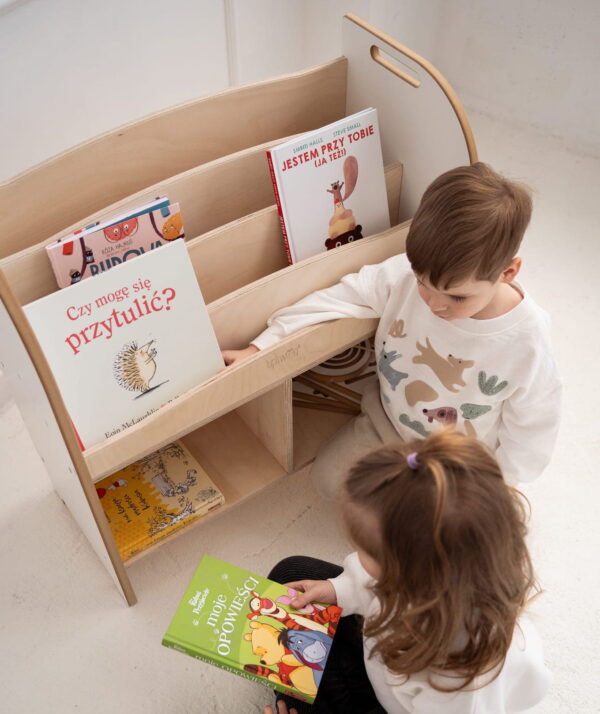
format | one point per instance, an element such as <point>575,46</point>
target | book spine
<point>279,208</point>
<point>185,649</point>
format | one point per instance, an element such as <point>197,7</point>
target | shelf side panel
<point>422,122</point>
<point>269,417</point>
<point>58,450</point>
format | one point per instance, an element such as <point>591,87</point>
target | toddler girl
<point>441,575</point>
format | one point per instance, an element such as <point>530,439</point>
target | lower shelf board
<point>312,427</point>
<point>236,461</point>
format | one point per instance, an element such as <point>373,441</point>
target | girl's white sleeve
<point>363,295</point>
<point>352,587</point>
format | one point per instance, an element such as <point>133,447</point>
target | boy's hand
<point>313,591</point>
<point>235,356</point>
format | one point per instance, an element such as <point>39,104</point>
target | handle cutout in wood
<point>385,60</point>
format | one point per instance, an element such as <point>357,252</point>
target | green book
<point>244,623</point>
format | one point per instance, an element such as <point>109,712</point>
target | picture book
<point>330,185</point>
<point>126,343</point>
<point>245,624</point>
<point>156,496</point>
<point>99,247</point>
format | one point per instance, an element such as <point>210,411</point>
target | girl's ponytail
<point>450,544</point>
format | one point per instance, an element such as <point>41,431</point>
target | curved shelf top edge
<point>166,113</point>
<point>439,78</point>
<point>62,190</point>
<point>352,251</point>
<point>134,198</point>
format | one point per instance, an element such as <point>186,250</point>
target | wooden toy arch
<point>196,153</point>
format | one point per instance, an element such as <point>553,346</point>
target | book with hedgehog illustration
<point>129,341</point>
<point>99,247</point>
<point>156,496</point>
<point>329,185</point>
<point>244,623</point>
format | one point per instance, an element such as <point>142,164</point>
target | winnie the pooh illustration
<point>266,644</point>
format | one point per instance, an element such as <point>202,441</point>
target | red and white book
<point>128,342</point>
<point>330,185</point>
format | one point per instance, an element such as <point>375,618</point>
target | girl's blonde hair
<point>450,542</point>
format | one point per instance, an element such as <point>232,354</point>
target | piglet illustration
<point>384,364</point>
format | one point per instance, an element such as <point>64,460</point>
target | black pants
<point>345,687</point>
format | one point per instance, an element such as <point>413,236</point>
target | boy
<point>458,343</point>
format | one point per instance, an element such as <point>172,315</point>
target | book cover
<point>97,248</point>
<point>126,343</point>
<point>156,496</point>
<point>244,623</point>
<point>329,185</point>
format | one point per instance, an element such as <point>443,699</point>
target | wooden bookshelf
<point>203,156</point>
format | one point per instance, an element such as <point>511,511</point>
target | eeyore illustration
<point>309,647</point>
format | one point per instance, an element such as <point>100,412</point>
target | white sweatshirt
<point>523,680</point>
<point>495,379</point>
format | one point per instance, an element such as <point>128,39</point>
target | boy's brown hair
<point>450,544</point>
<point>469,224</point>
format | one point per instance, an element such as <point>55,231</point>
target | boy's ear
<point>511,271</point>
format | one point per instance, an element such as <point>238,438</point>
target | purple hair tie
<point>412,462</point>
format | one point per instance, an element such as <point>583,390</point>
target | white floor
<point>69,643</point>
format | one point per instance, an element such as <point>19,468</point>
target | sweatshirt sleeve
<point>353,587</point>
<point>527,434</point>
<point>362,295</point>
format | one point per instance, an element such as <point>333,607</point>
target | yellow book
<point>152,498</point>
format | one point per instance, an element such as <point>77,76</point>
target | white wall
<point>534,61</point>
<point>71,69</point>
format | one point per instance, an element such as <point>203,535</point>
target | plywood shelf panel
<point>65,189</point>
<point>237,319</point>
<point>238,472</point>
<point>210,195</point>
<point>215,254</point>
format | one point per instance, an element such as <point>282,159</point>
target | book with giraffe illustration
<point>244,623</point>
<point>128,342</point>
<point>156,496</point>
<point>330,186</point>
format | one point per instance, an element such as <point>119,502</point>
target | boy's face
<point>479,299</point>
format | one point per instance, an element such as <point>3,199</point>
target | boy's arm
<point>527,434</point>
<point>363,295</point>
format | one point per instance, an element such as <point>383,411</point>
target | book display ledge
<point>214,166</point>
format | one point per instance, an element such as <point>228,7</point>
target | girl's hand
<point>281,708</point>
<point>313,591</point>
<point>235,356</point>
